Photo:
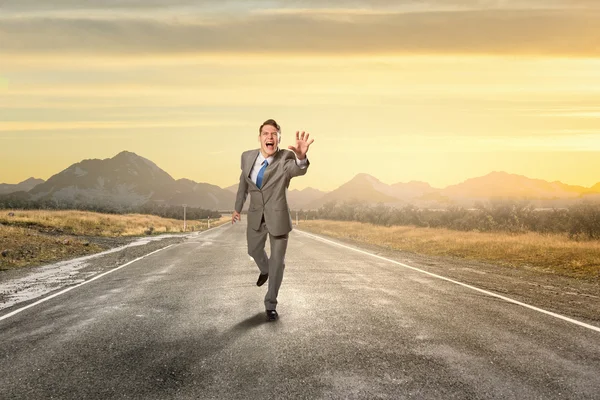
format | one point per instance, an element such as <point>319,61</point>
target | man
<point>266,175</point>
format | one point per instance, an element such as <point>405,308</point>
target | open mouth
<point>270,145</point>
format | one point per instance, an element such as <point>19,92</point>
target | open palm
<point>302,144</point>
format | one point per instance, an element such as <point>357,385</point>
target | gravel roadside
<point>21,286</point>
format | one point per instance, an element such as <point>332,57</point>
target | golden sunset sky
<point>437,91</point>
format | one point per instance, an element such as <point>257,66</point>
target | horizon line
<point>354,177</point>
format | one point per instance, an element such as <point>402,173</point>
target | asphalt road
<point>188,322</point>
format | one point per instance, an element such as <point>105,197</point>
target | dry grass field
<point>550,253</point>
<point>33,237</point>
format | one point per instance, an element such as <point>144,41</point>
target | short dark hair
<point>269,122</point>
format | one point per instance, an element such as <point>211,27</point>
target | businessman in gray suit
<point>266,175</point>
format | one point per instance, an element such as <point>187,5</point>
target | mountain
<point>595,188</point>
<point>361,188</point>
<point>204,195</point>
<point>420,193</point>
<point>412,189</point>
<point>502,185</point>
<point>233,188</point>
<point>25,186</point>
<point>299,199</point>
<point>495,185</point>
<point>368,189</point>
<point>127,180</point>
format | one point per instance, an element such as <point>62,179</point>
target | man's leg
<point>256,247</point>
<point>276,267</point>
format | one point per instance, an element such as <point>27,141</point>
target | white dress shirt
<point>261,159</point>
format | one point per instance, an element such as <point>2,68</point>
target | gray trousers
<point>273,265</point>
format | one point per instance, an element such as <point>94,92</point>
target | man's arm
<point>294,166</point>
<point>240,198</point>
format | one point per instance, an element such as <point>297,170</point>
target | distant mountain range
<point>25,186</point>
<point>128,179</point>
<point>493,186</point>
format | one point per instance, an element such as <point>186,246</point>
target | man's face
<point>268,140</point>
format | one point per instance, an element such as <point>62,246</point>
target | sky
<point>408,90</point>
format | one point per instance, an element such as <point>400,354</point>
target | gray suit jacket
<point>271,199</point>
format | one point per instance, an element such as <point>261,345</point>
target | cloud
<point>15,126</point>
<point>532,32</point>
<point>45,5</point>
<point>37,5</point>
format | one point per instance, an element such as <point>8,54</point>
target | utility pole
<point>184,221</point>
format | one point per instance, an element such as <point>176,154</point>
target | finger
<point>297,135</point>
<point>307,135</point>
<point>311,142</point>
<point>295,150</point>
<point>302,136</point>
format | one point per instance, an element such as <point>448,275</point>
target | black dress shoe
<point>262,279</point>
<point>272,315</point>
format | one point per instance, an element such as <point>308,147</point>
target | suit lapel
<point>249,164</point>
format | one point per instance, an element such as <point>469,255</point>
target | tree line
<point>151,208</point>
<point>578,221</point>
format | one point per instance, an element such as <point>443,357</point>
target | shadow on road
<point>150,365</point>
<point>249,323</point>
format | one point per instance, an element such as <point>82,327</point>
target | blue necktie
<point>259,178</point>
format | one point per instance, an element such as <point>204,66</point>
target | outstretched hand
<point>302,144</point>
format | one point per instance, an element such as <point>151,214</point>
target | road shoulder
<point>576,298</point>
<point>20,287</point>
